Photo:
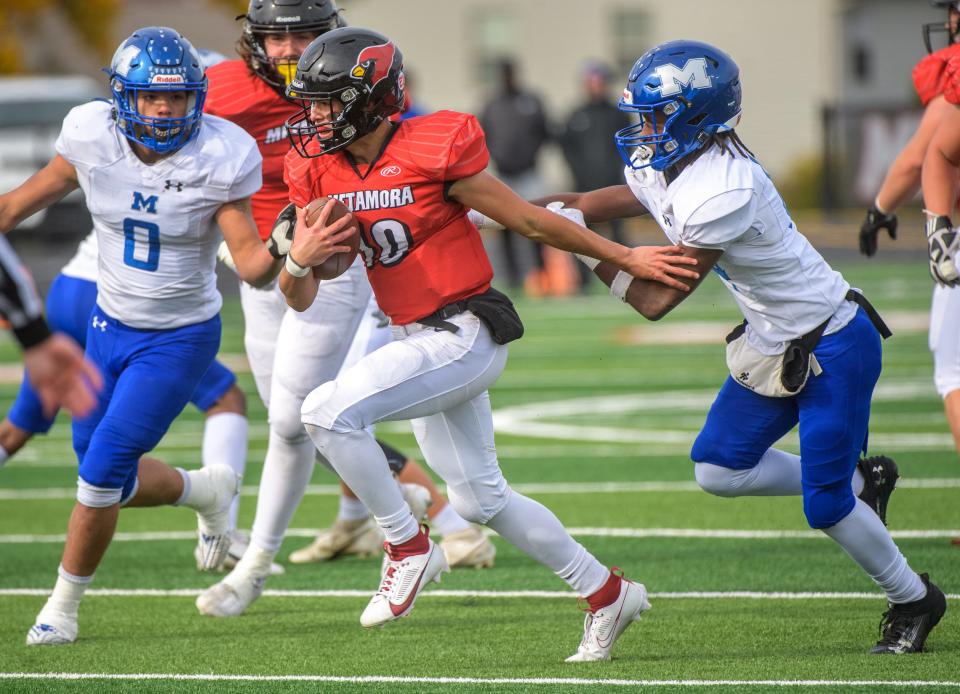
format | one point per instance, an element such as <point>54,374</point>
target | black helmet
<point>282,17</point>
<point>360,69</point>
<point>936,27</point>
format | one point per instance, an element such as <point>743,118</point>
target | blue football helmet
<point>685,91</point>
<point>157,59</point>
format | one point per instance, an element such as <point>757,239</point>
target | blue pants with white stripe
<point>833,412</point>
<point>69,304</point>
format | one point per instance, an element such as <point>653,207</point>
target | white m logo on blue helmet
<point>673,79</point>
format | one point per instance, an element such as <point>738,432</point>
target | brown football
<point>336,264</point>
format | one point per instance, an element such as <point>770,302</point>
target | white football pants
<point>439,379</point>
<point>308,350</point>
<point>945,339</point>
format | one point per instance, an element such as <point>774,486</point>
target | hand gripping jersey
<point>935,72</point>
<point>420,250</point>
<point>783,286</point>
<point>241,97</point>
<point>155,230</point>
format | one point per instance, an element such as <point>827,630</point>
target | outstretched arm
<point>492,198</point>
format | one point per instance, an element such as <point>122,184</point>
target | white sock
<point>286,473</point>
<point>362,465</point>
<point>865,538</point>
<point>256,562</point>
<point>67,593</point>
<point>448,521</point>
<point>4,456</point>
<point>533,529</point>
<point>351,509</point>
<point>198,493</point>
<point>777,474</point>
<point>225,441</point>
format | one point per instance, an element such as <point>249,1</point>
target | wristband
<point>588,261</point>
<point>620,285</point>
<point>876,206</point>
<point>294,268</point>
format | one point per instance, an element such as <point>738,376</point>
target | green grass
<point>574,349</point>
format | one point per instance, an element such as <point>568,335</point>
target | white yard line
<point>682,533</point>
<point>441,593</point>
<point>389,679</point>
<point>38,494</point>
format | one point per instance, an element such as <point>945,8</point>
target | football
<point>337,264</point>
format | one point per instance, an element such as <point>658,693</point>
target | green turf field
<point>595,414</point>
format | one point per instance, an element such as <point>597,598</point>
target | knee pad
<point>320,409</point>
<point>93,496</point>
<point>708,448</point>
<point>717,480</point>
<point>477,505</point>
<point>824,507</point>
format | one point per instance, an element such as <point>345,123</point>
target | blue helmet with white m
<point>683,93</point>
<point>157,59</point>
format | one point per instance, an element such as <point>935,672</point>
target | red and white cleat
<point>603,626</point>
<point>409,568</point>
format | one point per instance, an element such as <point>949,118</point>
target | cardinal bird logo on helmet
<point>373,63</point>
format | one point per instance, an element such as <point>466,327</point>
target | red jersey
<point>240,96</point>
<point>934,74</point>
<point>420,250</point>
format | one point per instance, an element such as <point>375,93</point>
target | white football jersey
<point>783,286</point>
<point>154,223</point>
<point>83,264</point>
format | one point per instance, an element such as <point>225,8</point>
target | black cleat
<point>880,476</point>
<point>904,628</point>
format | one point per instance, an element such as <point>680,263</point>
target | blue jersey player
<point>159,177</point>
<point>809,350</point>
<point>69,303</point>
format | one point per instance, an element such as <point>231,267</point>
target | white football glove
<point>942,244</point>
<point>483,222</point>
<point>281,236</point>
<point>223,255</point>
<point>575,216</point>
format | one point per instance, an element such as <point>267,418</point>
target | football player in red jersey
<point>408,186</point>
<point>291,353</point>
<point>940,183</point>
<point>934,77</point>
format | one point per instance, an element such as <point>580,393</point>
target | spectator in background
<point>516,128</point>
<point>587,146</point>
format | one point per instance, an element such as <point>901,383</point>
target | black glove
<point>281,236</point>
<point>874,222</point>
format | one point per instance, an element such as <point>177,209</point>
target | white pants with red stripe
<point>438,379</point>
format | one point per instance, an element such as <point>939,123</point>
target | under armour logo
<point>100,323</point>
<point>173,184</point>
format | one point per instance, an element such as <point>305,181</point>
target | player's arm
<point>654,300</point>
<point>312,245</point>
<point>254,263</point>
<point>41,190</point>
<point>484,193</point>
<point>601,205</point>
<point>940,165</point>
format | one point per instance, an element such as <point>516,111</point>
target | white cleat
<point>232,596</point>
<point>213,522</point>
<point>358,537</point>
<point>469,547</point>
<point>53,629</point>
<point>602,628</point>
<point>402,581</point>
